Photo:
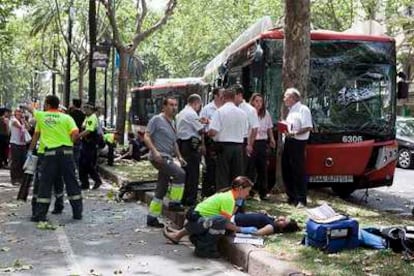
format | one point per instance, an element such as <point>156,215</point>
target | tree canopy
<point>30,35</point>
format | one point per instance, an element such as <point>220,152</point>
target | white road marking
<point>70,258</point>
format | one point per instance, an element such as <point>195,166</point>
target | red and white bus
<point>146,101</point>
<point>352,97</point>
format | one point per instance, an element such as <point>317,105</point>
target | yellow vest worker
<point>58,185</point>
<point>57,133</point>
<point>89,150</point>
<point>110,139</point>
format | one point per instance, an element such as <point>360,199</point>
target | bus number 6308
<point>351,139</point>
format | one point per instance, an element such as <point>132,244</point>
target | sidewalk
<point>253,260</point>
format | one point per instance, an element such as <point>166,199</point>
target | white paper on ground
<point>324,214</point>
<point>248,239</point>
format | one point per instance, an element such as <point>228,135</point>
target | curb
<point>111,175</point>
<point>253,260</point>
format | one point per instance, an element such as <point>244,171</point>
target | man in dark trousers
<point>209,148</point>
<point>253,125</point>
<point>228,127</point>
<point>161,139</point>
<point>57,133</point>
<point>189,129</point>
<point>58,186</point>
<point>78,115</point>
<point>89,149</point>
<point>299,120</point>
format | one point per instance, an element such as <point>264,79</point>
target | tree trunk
<point>81,71</point>
<point>296,61</point>
<point>296,54</point>
<point>122,93</point>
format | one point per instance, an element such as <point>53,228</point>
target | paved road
<point>110,240</point>
<point>398,198</point>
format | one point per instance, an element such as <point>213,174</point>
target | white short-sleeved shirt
<point>17,133</point>
<point>230,122</point>
<point>188,123</point>
<point>264,124</point>
<point>299,117</point>
<point>208,111</point>
<point>252,117</point>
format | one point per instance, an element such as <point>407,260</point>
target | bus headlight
<point>386,155</point>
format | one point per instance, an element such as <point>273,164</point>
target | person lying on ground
<point>211,218</point>
<point>266,224</point>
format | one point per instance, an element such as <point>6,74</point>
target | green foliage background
<point>196,33</point>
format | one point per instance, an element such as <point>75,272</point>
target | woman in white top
<point>18,146</point>
<point>258,162</point>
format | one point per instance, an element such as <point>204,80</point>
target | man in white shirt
<point>208,186</point>
<point>253,124</point>
<point>189,129</point>
<point>228,127</point>
<point>299,120</point>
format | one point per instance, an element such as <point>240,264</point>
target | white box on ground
<point>248,239</point>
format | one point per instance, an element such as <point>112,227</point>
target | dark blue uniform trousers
<point>57,188</point>
<point>56,164</point>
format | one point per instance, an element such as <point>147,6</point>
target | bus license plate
<point>331,178</point>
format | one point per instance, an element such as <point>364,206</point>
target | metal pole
<point>92,37</point>
<point>66,94</point>
<point>106,90</point>
<point>54,69</point>
<point>113,80</point>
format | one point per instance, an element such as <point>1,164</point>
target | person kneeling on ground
<point>211,218</point>
<point>133,149</point>
<point>266,224</point>
<point>110,140</point>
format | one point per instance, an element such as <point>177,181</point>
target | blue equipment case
<point>332,237</point>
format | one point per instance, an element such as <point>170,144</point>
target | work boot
<point>77,216</point>
<point>58,206</point>
<point>77,208</point>
<point>97,185</point>
<point>153,222</point>
<point>205,253</point>
<point>40,212</point>
<point>85,186</point>
<point>57,211</point>
<point>38,219</point>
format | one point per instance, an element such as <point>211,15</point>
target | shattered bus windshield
<point>143,106</point>
<point>351,86</point>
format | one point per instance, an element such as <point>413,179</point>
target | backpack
<point>399,239</point>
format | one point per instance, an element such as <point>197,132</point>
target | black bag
<point>393,237</point>
<point>408,243</point>
<point>400,240</point>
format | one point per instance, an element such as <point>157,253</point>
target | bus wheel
<point>343,192</point>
